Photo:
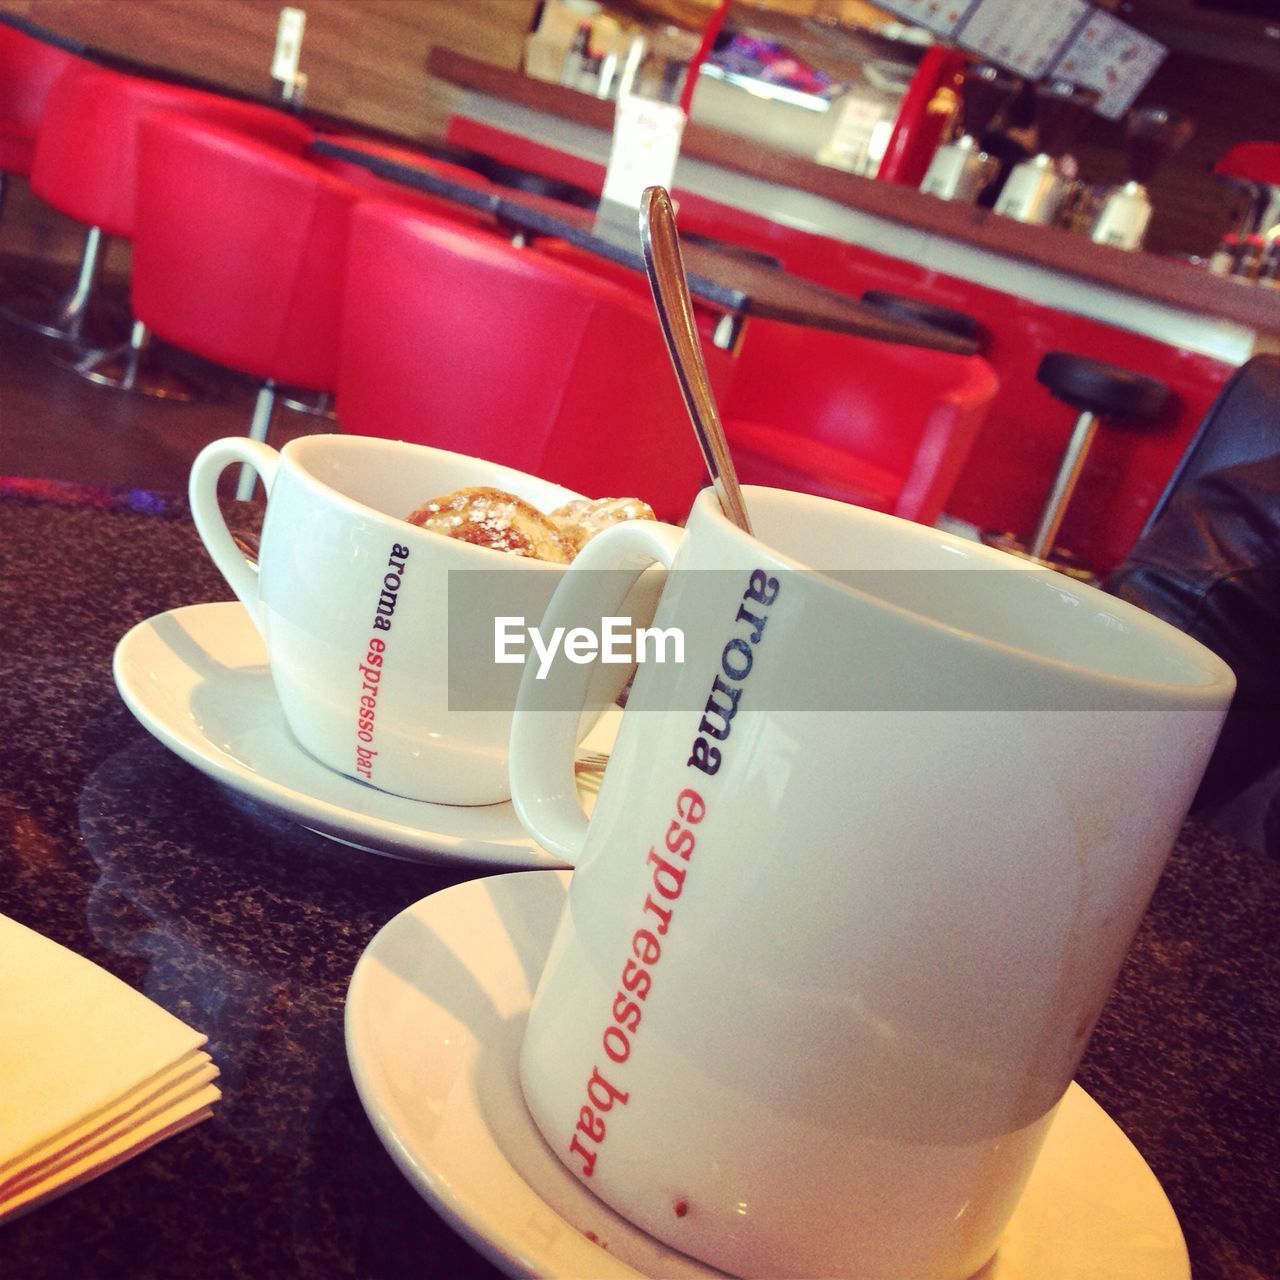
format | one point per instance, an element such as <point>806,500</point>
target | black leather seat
<point>1241,425</point>
<point>922,312</point>
<point>1105,390</point>
<point>1099,391</point>
<point>1208,562</point>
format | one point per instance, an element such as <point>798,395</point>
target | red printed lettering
<point>602,1094</point>
<point>645,946</point>
<point>626,1013</point>
<point>616,1044</point>
<point>588,1157</point>
<point>663,914</point>
<point>679,840</point>
<point>636,980</point>
<point>667,880</point>
<point>591,1124</point>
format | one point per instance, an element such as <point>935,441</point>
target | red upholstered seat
<point>28,69</point>
<point>85,166</point>
<point>825,469</point>
<point>240,249</point>
<point>239,254</point>
<point>1252,162</point>
<point>86,153</point>
<point>505,354</point>
<point>720,364</point>
<point>866,422</point>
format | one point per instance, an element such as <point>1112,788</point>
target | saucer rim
<point>432,1181</point>
<point>429,843</point>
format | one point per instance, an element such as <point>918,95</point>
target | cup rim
<point>1215,675</point>
<point>295,452</point>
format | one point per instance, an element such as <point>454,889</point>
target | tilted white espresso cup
<point>860,875</point>
<point>352,602</point>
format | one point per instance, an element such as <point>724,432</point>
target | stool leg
<point>727,334</point>
<point>76,306</point>
<point>66,317</point>
<point>263,407</point>
<point>1064,484</point>
<point>139,341</point>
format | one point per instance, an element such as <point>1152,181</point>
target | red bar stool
<point>721,363</point>
<point>1101,392</point>
<point>870,423</point>
<point>28,69</point>
<point>86,167</point>
<point>239,256</point>
<point>512,356</point>
<point>371,184</point>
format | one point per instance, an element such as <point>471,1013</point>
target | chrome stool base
<point>319,407</point>
<point>126,367</point>
<point>1058,559</point>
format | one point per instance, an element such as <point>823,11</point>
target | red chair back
<point>240,250</point>
<point>87,145</point>
<point>457,339</point>
<point>721,365</point>
<point>867,422</point>
<point>28,69</point>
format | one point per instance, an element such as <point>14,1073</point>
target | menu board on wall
<point>942,17</point>
<point>1068,39</point>
<point>1027,36</point>
<point>1110,56</point>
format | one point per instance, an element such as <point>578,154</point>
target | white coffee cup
<point>829,963</point>
<point>352,602</point>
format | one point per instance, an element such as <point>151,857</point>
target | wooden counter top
<point>1147,276</point>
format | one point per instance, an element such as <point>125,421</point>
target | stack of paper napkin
<point>91,1071</point>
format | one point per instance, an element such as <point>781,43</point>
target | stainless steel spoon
<point>664,266</point>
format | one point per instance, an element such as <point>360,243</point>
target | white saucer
<point>197,679</point>
<point>434,1017</point>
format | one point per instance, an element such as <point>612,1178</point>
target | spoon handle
<point>664,265</point>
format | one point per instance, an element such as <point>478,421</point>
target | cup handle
<point>544,729</point>
<point>202,491</point>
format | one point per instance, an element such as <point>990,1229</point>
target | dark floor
<point>57,425</point>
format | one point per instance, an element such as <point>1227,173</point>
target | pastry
<point>494,518</point>
<point>579,521</point>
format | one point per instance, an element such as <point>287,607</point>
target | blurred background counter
<point>1031,288</point>
<point>823,177</point>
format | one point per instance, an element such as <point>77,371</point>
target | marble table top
<point>249,927</point>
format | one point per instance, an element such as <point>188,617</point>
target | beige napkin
<point>91,1071</point>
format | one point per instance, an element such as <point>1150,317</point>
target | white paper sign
<point>646,145</point>
<point>852,142</point>
<point>288,44</point>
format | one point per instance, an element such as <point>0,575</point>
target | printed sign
<point>943,17</point>
<point>646,145</point>
<point>1068,39</point>
<point>288,44</point>
<point>1110,56</point>
<point>1027,36</point>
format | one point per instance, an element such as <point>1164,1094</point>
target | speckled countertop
<point>248,927</point>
